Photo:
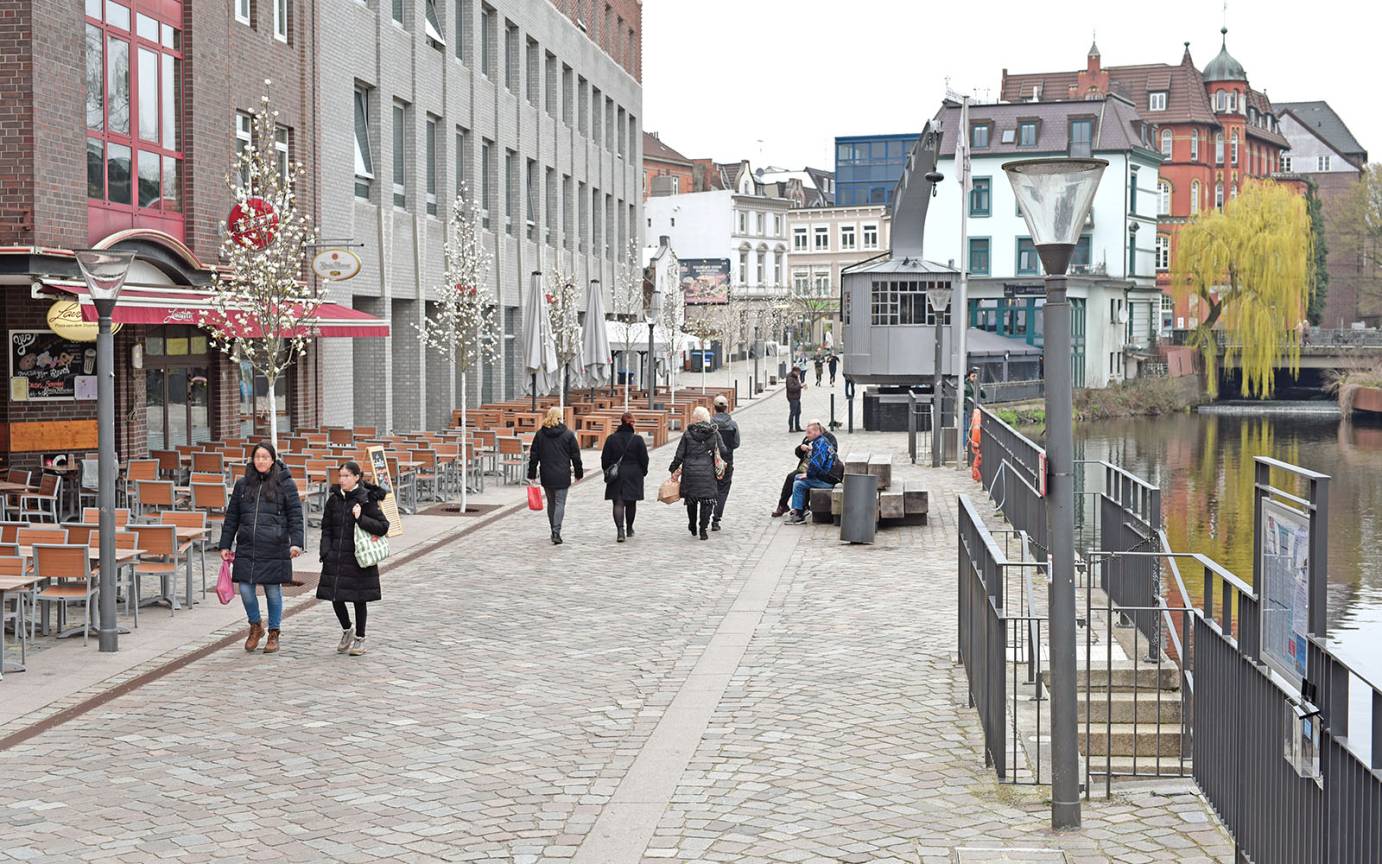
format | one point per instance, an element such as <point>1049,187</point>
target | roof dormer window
<point>1156,101</point>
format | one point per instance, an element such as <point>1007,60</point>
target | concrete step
<point>1126,706</point>
<point>1123,739</point>
<point>1124,678</point>
<point>1142,766</point>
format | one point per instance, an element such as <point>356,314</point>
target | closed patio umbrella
<point>539,348</point>
<point>595,340</point>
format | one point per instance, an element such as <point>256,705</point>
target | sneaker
<point>347,636</point>
<point>796,518</point>
<point>357,647</point>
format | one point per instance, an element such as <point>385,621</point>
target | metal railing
<point>1012,470</point>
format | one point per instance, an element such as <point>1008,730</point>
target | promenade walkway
<point>765,696</point>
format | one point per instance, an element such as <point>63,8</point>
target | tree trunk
<point>273,409</point>
<point>465,445</point>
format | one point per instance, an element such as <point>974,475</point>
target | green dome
<point>1224,67</point>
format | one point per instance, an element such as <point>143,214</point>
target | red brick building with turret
<point>1213,129</point>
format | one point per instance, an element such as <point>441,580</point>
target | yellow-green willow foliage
<point>1250,263</point>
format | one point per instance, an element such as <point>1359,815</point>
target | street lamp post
<point>938,299</point>
<point>105,271</point>
<point>653,311</point>
<point>1055,196</point>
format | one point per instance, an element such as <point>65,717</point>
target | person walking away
<point>974,394</point>
<point>834,363</point>
<point>696,458</point>
<point>627,453</point>
<point>801,453</point>
<point>352,503</point>
<point>556,452</point>
<point>729,434</point>
<point>823,470</point>
<point>820,369</point>
<point>263,531</point>
<point>793,400</point>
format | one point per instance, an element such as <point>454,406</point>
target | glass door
<point>177,395</point>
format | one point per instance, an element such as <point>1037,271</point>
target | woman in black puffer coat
<point>264,525</point>
<point>696,459</point>
<point>627,449</point>
<point>352,502</point>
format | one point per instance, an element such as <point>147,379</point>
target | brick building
<point>103,147</point>
<point>1212,128</point>
<point>665,171</point>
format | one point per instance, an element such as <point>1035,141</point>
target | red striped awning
<point>159,304</point>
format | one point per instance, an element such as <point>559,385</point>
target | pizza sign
<point>253,223</point>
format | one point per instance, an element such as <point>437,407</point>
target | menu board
<point>377,467</point>
<point>46,367</point>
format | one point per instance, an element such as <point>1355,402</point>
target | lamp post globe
<point>105,271</point>
<point>1055,196</point>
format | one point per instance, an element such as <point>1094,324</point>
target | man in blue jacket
<point>821,471</point>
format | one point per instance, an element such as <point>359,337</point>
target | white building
<point>1115,301</point>
<point>748,230</point>
<point>824,241</point>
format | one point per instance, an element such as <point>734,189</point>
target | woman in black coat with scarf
<point>696,459</point>
<point>352,502</point>
<point>264,525</point>
<point>627,450</point>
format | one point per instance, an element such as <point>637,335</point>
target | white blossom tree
<point>629,303</point>
<point>263,309</point>
<point>466,324</point>
<point>563,306</point>
<point>670,318</point>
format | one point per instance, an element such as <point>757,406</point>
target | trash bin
<point>860,517</point>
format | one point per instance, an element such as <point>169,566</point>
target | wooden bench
<point>907,505</point>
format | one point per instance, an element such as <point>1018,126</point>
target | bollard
<point>736,391</point>
<point>912,426</point>
<point>850,408</point>
<point>833,423</point>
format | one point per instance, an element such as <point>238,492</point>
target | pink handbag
<point>225,590</point>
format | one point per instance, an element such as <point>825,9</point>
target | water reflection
<point>1204,466</point>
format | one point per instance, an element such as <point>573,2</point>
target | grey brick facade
<point>395,383</point>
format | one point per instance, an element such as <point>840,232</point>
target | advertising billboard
<point>705,280</point>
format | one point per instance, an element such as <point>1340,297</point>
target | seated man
<point>823,470</point>
<point>800,452</point>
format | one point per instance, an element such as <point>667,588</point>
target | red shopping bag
<point>225,591</point>
<point>534,497</point>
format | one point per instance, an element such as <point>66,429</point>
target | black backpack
<point>835,474</point>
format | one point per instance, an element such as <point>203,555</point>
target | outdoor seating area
<point>906,504</point>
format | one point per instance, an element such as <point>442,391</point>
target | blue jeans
<point>272,593</point>
<point>799,491</point>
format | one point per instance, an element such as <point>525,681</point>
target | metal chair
<point>189,519</point>
<point>14,572</point>
<point>44,501</point>
<point>92,516</point>
<point>161,558</point>
<point>90,488</point>
<point>123,540</point>
<point>138,469</point>
<point>169,463</point>
<point>512,458</point>
<point>66,568</point>
<point>154,495</point>
<point>210,499</point>
<point>214,463</point>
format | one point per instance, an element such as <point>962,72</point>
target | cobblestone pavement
<point>766,696</point>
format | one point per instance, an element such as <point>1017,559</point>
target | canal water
<point>1203,464</point>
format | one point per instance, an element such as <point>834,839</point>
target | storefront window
<point>177,394</point>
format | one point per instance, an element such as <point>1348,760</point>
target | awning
<point>166,304</point>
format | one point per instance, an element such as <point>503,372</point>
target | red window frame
<point>105,215</point>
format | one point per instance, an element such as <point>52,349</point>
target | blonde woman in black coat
<point>627,450</point>
<point>352,502</point>
<point>696,459</point>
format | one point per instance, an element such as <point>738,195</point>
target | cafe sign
<point>65,319</point>
<point>337,265</point>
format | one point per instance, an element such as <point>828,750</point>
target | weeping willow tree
<point>1251,263</point>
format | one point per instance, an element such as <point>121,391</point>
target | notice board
<point>47,367</point>
<point>377,469</point>
<point>1284,588</point>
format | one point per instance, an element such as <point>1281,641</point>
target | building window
<point>902,302</point>
<point>1220,100</point>
<point>511,60</point>
<point>397,11</point>
<point>822,238</point>
<point>532,72</point>
<point>847,240</point>
<point>567,106</point>
<point>761,265</point>
<point>364,157</point>
<point>801,280</point>
<point>244,137</point>
<point>760,223</point>
<point>777,217</point>
<point>1027,133</point>
<point>462,17</point>
<point>488,22</point>
<point>1163,198</point>
<point>596,115</point>
<point>1156,101</point>
<point>281,152</point>
<point>463,163</point>
<point>583,112</point>
<point>870,236</point>
<point>1163,252</point>
<point>609,123</point>
<point>741,219</point>
<point>1233,149</point>
<point>1218,148</point>
<point>583,205</point>
<point>1028,264</point>
<point>620,138</point>
<point>981,196</point>
<point>1081,137</point>
<point>1166,143</point>
<point>821,283</point>
<point>979,135</point>
<point>1219,195</point>
<point>1286,164</point>
<point>1194,146</point>
<point>1233,100</point>
<point>281,20</point>
<point>432,26</point>
<point>1081,256</point>
<point>510,189</point>
<point>566,207</point>
<point>549,225</point>
<point>430,149</point>
<point>799,238</point>
<point>242,11</point>
<point>979,256</point>
<point>487,180</point>
<point>1132,191</point>
<point>1194,196</point>
<point>743,266</point>
<point>1322,163</point>
<point>400,138</point>
<point>532,194</point>
<point>778,271</point>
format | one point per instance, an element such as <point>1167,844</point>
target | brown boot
<point>271,647</point>
<point>256,633</point>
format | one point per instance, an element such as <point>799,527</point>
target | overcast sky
<point>774,81</point>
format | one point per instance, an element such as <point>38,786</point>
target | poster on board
<point>45,366</point>
<point>705,280</point>
<point>377,469</point>
<point>1284,562</point>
